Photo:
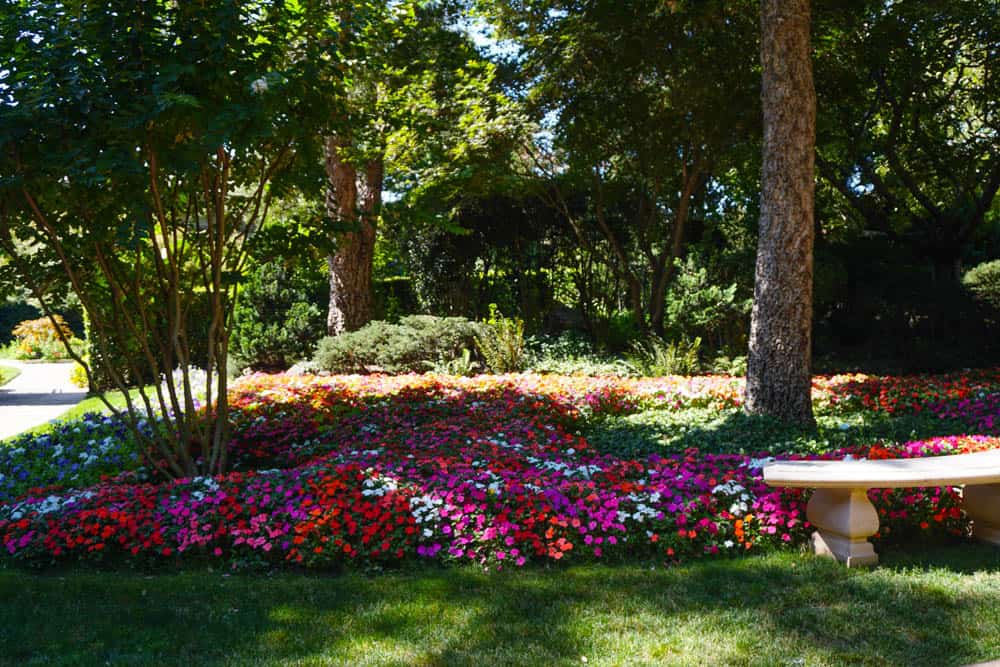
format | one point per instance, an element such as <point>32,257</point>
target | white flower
<point>259,86</point>
<point>759,463</point>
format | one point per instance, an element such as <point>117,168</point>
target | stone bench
<point>845,518</point>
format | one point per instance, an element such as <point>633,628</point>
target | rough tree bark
<point>778,371</point>
<point>350,265</point>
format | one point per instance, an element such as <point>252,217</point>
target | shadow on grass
<point>936,605</point>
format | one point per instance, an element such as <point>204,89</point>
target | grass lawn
<point>939,605</point>
<point>8,373</point>
<point>935,603</point>
<point>93,403</point>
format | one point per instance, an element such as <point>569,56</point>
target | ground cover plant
<point>495,470</point>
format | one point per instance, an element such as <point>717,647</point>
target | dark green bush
<point>277,318</point>
<point>699,307</point>
<point>13,313</point>
<point>416,344</point>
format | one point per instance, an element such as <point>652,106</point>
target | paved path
<point>39,394</point>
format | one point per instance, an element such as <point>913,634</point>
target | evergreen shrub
<point>279,317</point>
<point>417,344</point>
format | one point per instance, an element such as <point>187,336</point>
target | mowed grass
<point>8,373</point>
<point>93,403</point>
<point>930,605</point>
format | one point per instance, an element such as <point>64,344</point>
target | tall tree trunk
<point>779,373</point>
<point>350,265</point>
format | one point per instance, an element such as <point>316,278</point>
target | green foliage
<point>655,357</point>
<point>658,431</point>
<point>13,312</point>
<point>279,316</point>
<point>40,339</point>
<point>418,343</point>
<point>78,376</point>
<point>464,365</point>
<point>983,281</point>
<point>501,342</point>
<point>697,306</point>
<point>618,331</point>
<point>8,373</point>
<point>735,366</point>
<point>571,353</point>
<point>711,430</point>
<point>906,121</point>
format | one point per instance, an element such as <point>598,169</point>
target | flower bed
<point>491,470</point>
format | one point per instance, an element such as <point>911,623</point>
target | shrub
<point>277,319</point>
<point>698,307</point>
<point>120,353</point>
<point>418,343</point>
<point>463,365</point>
<point>735,366</point>
<point>501,342</point>
<point>983,282</point>
<point>617,331</point>
<point>655,357</point>
<point>78,376</point>
<point>40,339</point>
<point>13,312</point>
<point>571,353</point>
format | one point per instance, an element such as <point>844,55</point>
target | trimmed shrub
<point>417,344</point>
<point>983,282</point>
<point>277,318</point>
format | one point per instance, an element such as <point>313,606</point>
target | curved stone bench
<point>845,518</point>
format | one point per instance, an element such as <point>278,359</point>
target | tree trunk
<point>779,373</point>
<point>350,265</point>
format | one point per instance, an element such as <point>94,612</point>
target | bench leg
<point>844,519</point>
<point>982,504</point>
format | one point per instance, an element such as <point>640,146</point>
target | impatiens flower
<point>339,470</point>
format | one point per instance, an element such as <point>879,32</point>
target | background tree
<point>640,106</point>
<point>910,123</point>
<point>779,364</point>
<point>422,111</point>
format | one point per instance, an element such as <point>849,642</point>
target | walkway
<point>39,394</point>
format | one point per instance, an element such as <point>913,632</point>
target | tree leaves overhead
<point>909,123</point>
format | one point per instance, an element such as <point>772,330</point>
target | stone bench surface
<point>950,470</point>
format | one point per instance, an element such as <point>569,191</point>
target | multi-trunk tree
<point>141,145</point>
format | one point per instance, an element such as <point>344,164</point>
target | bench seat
<point>844,516</point>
